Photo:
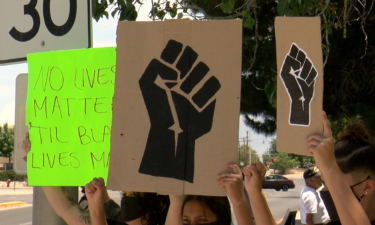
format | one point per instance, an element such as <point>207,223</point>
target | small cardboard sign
<point>69,114</point>
<point>299,82</point>
<point>176,105</point>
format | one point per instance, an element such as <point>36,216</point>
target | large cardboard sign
<point>299,82</point>
<point>176,105</point>
<point>69,114</point>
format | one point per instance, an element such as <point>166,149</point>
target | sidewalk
<point>17,191</point>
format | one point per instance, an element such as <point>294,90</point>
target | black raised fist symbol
<point>298,74</point>
<point>179,114</point>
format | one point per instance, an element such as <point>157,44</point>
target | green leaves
<point>171,10</point>
<point>248,21</point>
<point>99,9</point>
<point>283,7</point>
<point>270,91</point>
<point>128,12</point>
<point>227,5</point>
<point>293,7</point>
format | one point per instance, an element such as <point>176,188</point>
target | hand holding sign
<point>298,74</point>
<point>176,118</point>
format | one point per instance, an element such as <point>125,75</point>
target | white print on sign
<point>299,75</point>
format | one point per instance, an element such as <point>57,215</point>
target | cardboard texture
<point>299,82</point>
<point>176,105</point>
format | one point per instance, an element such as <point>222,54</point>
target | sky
<point>104,35</point>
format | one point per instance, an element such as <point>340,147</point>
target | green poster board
<point>69,114</point>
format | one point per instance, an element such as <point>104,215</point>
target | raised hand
<point>95,191</point>
<point>232,182</point>
<point>321,146</point>
<point>254,175</point>
<point>179,114</point>
<point>299,75</point>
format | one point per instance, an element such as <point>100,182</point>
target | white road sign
<point>28,26</point>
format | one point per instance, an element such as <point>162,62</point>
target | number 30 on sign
<point>29,26</point>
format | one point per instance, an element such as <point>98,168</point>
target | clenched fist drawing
<point>179,113</point>
<point>299,75</point>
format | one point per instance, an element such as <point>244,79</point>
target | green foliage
<point>248,21</point>
<point>6,141</point>
<point>283,7</point>
<point>284,161</point>
<point>10,174</point>
<point>124,9</point>
<point>227,5</point>
<point>270,91</point>
<point>243,157</point>
<point>303,161</point>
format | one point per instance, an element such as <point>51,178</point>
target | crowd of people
<point>346,168</point>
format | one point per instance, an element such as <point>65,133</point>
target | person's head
<point>312,177</point>
<point>206,210</point>
<point>355,157</point>
<point>144,208</point>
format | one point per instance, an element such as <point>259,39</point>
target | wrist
<point>238,201</point>
<point>254,190</point>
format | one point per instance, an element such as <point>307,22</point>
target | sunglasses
<point>351,187</point>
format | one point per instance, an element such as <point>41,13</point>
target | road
<point>279,202</point>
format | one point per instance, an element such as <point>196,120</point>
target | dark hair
<point>153,207</point>
<point>218,205</point>
<point>353,152</point>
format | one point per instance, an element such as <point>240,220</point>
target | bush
<point>12,176</point>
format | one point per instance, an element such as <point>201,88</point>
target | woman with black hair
<point>206,210</point>
<point>139,208</point>
<point>349,171</point>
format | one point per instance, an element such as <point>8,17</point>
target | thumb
<point>101,181</point>
<point>253,170</point>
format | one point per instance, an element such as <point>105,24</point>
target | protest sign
<point>176,105</point>
<point>69,113</point>
<point>299,82</point>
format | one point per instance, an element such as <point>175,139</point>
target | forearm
<point>65,206</point>
<point>97,214</point>
<point>348,208</point>
<point>60,199</point>
<point>259,206</point>
<point>174,211</point>
<point>242,212</point>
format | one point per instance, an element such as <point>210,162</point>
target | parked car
<point>277,182</point>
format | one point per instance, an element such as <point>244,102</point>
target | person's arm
<point>66,207</point>
<point>309,219</point>
<point>254,175</point>
<point>321,147</point>
<point>94,192</point>
<point>174,211</point>
<point>232,182</point>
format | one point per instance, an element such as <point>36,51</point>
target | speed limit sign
<point>28,26</point>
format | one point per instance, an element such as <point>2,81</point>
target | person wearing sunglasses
<point>312,208</point>
<point>349,170</point>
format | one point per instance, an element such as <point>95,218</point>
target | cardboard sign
<point>176,105</point>
<point>69,113</point>
<point>299,82</point>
